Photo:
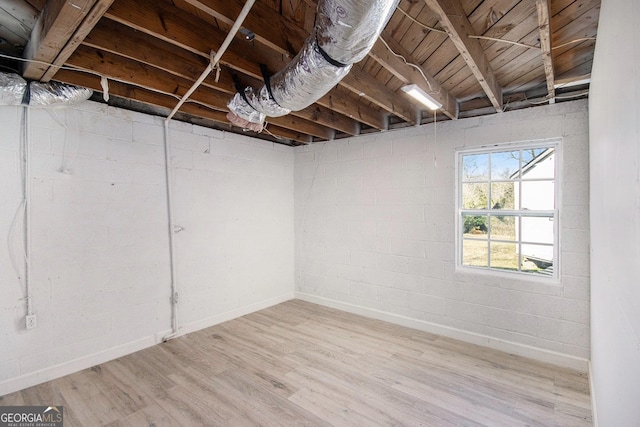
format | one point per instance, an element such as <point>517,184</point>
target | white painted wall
<point>615,215</point>
<point>375,235</point>
<point>100,257</point>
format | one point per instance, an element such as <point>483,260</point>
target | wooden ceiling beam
<point>92,18</point>
<point>410,75</point>
<point>544,26</point>
<point>170,24</point>
<point>61,27</point>
<point>119,39</point>
<point>111,36</point>
<point>327,117</point>
<point>454,20</point>
<point>269,27</point>
<point>152,98</point>
<point>285,36</point>
<point>367,87</point>
<point>37,4</point>
<point>55,26</point>
<point>339,99</point>
<point>129,71</point>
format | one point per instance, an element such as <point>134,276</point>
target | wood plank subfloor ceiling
<point>302,364</point>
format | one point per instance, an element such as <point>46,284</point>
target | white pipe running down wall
<point>14,90</point>
<point>172,267</point>
<point>26,147</point>
<point>344,33</point>
<point>167,162</point>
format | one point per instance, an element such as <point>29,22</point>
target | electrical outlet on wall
<point>30,321</point>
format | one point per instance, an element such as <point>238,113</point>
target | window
<point>507,208</point>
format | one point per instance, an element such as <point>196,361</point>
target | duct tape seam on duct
<point>14,90</point>
<point>344,33</point>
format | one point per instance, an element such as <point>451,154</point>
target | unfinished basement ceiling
<point>476,57</point>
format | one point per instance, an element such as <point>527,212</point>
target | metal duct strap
<point>344,33</point>
<point>12,89</point>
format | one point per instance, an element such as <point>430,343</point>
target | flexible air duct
<point>14,90</point>
<point>344,33</point>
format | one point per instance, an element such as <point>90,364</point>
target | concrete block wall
<point>233,200</point>
<point>100,274</point>
<point>375,235</point>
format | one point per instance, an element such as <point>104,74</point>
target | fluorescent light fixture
<point>420,95</point>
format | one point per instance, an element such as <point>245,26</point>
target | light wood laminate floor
<point>302,364</point>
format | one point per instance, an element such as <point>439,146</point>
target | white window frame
<point>556,143</point>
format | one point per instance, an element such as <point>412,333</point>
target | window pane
<point>502,195</point>
<point>475,167</point>
<point>503,228</point>
<point>475,195</point>
<point>474,253</point>
<point>505,164</point>
<point>538,163</point>
<point>507,209</point>
<point>540,254</point>
<point>537,195</point>
<point>537,230</point>
<point>537,259</point>
<point>475,226</point>
<point>504,256</point>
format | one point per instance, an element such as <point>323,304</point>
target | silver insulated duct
<point>14,90</point>
<point>344,33</point>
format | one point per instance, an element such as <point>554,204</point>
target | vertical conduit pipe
<point>167,160</point>
<point>169,178</point>
<point>27,206</point>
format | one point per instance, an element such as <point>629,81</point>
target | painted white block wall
<point>100,257</point>
<point>615,213</point>
<point>233,198</point>
<point>375,235</point>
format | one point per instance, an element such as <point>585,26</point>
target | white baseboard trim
<point>233,314</point>
<point>547,356</point>
<point>47,374</point>
<point>592,393</point>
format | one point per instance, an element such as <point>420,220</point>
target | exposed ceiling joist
<point>153,50</point>
<point>285,36</point>
<point>132,72</point>
<point>362,83</point>
<point>92,18</point>
<point>409,74</point>
<point>544,25</point>
<point>170,24</point>
<point>162,21</point>
<point>339,99</point>
<point>269,27</point>
<point>37,4</point>
<point>454,20</point>
<point>60,29</point>
<point>135,93</point>
<point>118,39</point>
